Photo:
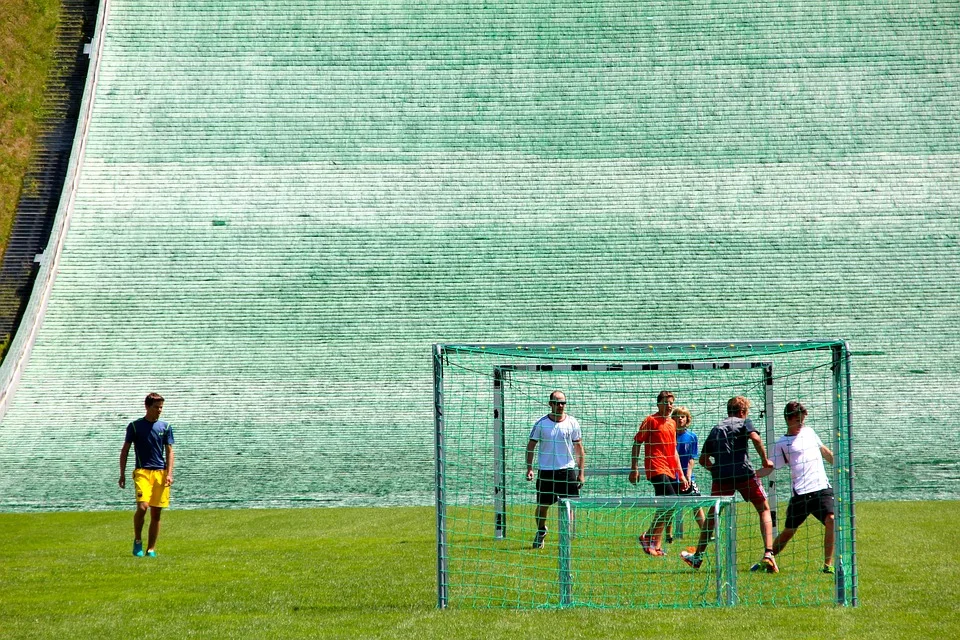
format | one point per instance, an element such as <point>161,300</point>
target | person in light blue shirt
<point>687,449</point>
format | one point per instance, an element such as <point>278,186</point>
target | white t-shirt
<point>556,442</point>
<point>802,454</point>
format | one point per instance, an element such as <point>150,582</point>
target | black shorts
<point>555,484</point>
<point>665,485</point>
<point>692,490</point>
<point>818,503</point>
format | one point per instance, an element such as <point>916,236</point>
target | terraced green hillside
<point>281,206</point>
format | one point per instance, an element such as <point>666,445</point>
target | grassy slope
<point>27,33</point>
<point>370,573</point>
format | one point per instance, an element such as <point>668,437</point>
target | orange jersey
<point>658,435</point>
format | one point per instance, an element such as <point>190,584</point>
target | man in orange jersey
<point>661,463</point>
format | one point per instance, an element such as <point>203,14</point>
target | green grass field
<point>608,568</point>
<point>370,573</point>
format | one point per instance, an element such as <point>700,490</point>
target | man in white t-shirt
<point>802,450</point>
<point>560,461</point>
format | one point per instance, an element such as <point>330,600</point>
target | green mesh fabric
<point>488,399</point>
<point>281,206</point>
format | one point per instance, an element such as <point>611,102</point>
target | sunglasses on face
<point>558,402</point>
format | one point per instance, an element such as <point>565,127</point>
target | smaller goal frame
<point>726,572</point>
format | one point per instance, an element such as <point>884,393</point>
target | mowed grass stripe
<point>371,573</point>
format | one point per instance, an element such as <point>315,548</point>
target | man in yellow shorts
<point>152,441</point>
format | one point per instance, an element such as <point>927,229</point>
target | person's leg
<point>797,512</point>
<point>719,489</point>
<point>546,495</point>
<point>695,559</point>
<point>781,542</point>
<point>143,485</point>
<point>768,561</point>
<point>752,491</point>
<point>662,487</point>
<point>828,538</point>
<point>691,491</point>
<point>707,530</point>
<point>662,520</point>
<point>766,525</point>
<point>658,525</point>
<point>138,517</point>
<point>154,528</point>
<point>542,516</point>
<point>648,534</point>
<point>701,519</point>
<point>823,508</point>
<point>694,491</point>
<point>545,492</point>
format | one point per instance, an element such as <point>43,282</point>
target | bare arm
<point>531,447</point>
<point>124,451</point>
<point>635,463</point>
<point>758,445</point>
<point>581,455</point>
<point>169,479</point>
<point>826,453</point>
<point>705,460</point>
<point>684,481</point>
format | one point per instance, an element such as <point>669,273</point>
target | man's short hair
<point>665,394</point>
<point>555,392</point>
<point>737,404</point>
<point>793,408</point>
<point>152,399</point>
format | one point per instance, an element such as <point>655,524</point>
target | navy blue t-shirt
<point>149,441</point>
<point>727,443</point>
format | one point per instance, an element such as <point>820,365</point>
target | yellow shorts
<point>150,487</point>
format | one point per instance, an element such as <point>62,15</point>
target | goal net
<point>488,398</point>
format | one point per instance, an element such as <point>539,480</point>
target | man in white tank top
<point>560,462</point>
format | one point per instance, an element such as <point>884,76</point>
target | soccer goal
<point>487,398</point>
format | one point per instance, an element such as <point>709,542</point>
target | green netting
<point>488,398</point>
